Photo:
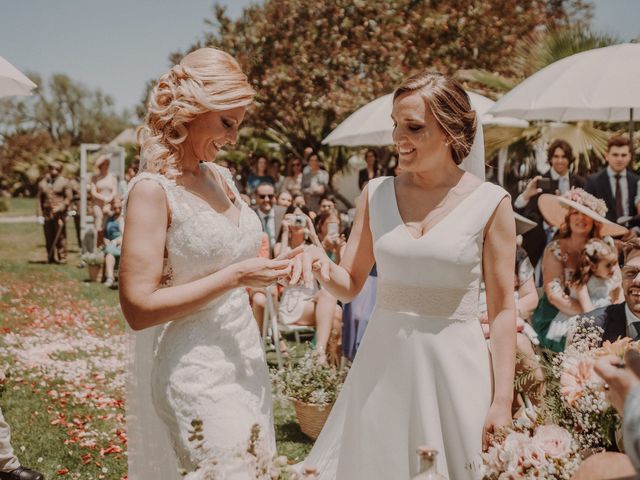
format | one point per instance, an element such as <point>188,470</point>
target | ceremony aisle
<point>62,349</point>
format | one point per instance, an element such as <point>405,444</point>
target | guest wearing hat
<point>560,157</point>
<point>579,216</point>
<point>104,188</point>
<point>53,199</point>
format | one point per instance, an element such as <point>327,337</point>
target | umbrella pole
<point>631,128</point>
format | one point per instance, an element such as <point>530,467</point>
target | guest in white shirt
<point>270,215</point>
<point>560,157</point>
<point>616,184</point>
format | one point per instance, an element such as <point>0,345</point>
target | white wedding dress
<point>422,374</point>
<point>207,366</point>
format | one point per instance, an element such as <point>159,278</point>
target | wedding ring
<point>606,387</point>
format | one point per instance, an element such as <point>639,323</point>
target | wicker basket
<point>94,272</point>
<point>311,417</point>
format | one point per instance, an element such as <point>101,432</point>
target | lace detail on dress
<point>208,365</point>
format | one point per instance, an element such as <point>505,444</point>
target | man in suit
<point>53,199</point>
<point>623,319</point>
<point>270,216</point>
<point>616,184</point>
<point>560,157</point>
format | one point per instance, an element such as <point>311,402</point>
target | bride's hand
<point>313,261</point>
<point>262,272</point>
<point>498,416</point>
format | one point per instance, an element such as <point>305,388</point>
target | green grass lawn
<point>63,350</point>
<point>19,207</point>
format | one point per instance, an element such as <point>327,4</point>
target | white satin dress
<point>422,375</point>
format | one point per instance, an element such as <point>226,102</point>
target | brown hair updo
<point>450,106</point>
<point>205,80</point>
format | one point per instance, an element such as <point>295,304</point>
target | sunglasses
<point>266,195</point>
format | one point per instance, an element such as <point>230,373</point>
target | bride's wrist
<point>502,401</point>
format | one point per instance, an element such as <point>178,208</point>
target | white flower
<point>555,441</point>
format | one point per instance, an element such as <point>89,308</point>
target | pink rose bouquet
<point>531,450</point>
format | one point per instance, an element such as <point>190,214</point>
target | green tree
<point>312,66</point>
<point>69,112</point>
<point>532,53</point>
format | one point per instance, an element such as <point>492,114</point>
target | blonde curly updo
<point>205,80</point>
<point>450,105</point>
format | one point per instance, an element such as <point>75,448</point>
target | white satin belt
<point>453,303</point>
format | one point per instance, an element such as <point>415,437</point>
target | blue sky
<point>118,45</point>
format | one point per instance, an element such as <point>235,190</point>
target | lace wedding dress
<point>422,374</point>
<point>208,366</point>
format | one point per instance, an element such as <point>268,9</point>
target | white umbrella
<point>599,84</point>
<point>13,81</point>
<point>372,125</point>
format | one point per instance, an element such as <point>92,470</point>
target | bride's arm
<point>143,302</point>
<point>498,260</point>
<point>343,281</point>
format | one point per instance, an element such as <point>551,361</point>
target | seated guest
<point>622,319</point>
<point>579,217</point>
<point>560,157</point>
<point>372,170</point>
<point>284,199</point>
<point>327,203</point>
<point>597,282</point>
<point>259,175</point>
<point>113,230</point>
<point>270,215</point>
<point>293,181</point>
<point>616,184</point>
<point>274,172</point>
<point>301,304</point>
<point>315,183</point>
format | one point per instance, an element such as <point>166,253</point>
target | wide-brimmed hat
<point>523,224</point>
<point>101,159</point>
<point>554,208</point>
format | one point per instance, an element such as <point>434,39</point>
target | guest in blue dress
<point>113,229</point>
<point>356,315</point>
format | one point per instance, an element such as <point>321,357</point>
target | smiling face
<point>560,162</point>
<point>284,199</point>
<point>209,132</point>
<point>631,282</point>
<point>606,267</point>
<point>265,194</point>
<point>579,223</point>
<point>417,136</point>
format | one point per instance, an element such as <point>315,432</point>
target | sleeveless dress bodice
<point>422,373</point>
<point>209,365</point>
<point>439,273</point>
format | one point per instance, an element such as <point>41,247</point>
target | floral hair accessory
<point>596,247</point>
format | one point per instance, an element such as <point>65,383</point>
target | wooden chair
<point>272,328</point>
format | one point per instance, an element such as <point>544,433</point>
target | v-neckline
<point>237,204</point>
<point>403,223</point>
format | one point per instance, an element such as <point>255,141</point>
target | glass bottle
<point>428,465</point>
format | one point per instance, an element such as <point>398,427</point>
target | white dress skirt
<point>422,375</point>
